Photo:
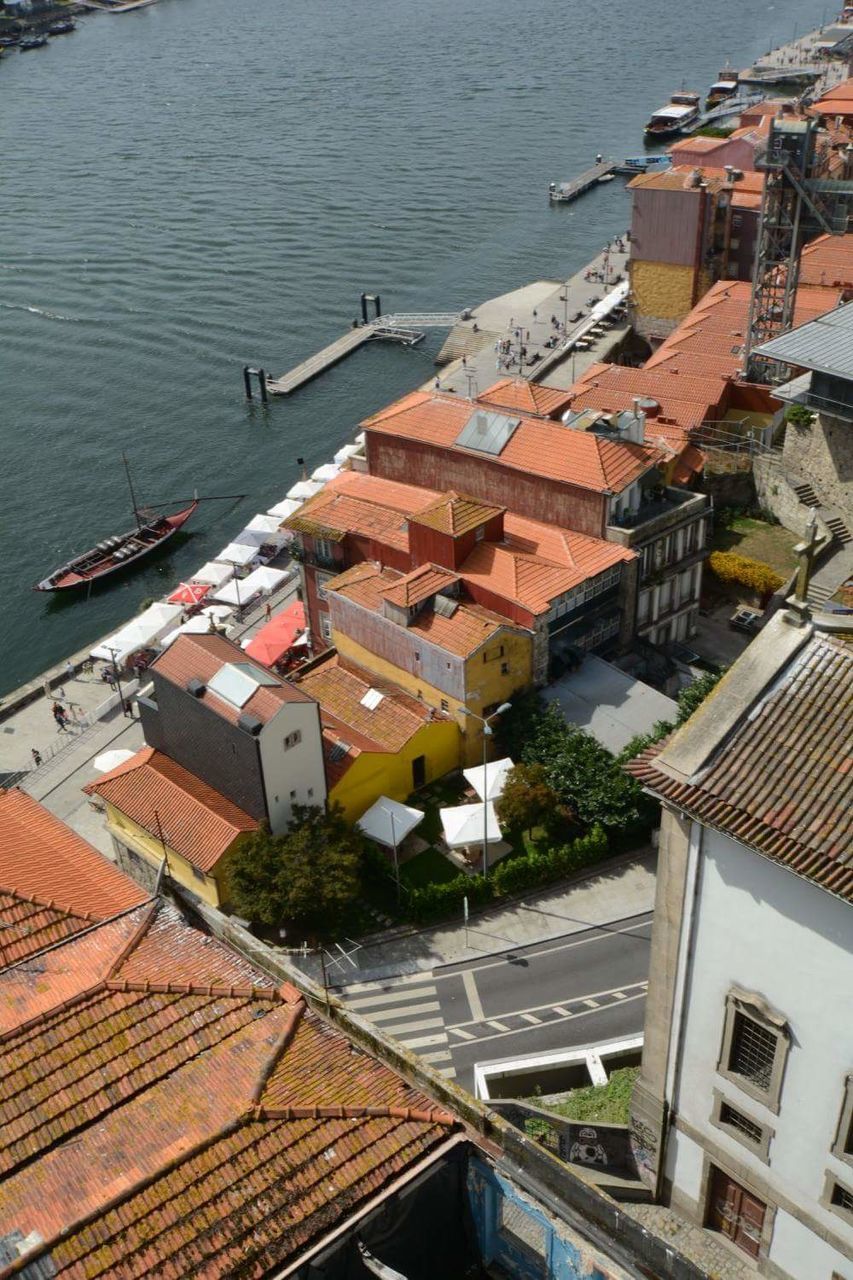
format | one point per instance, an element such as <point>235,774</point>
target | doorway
<point>736,1212</point>
<point>418,772</point>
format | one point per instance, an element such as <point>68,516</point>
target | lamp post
<point>119,690</point>
<point>394,847</point>
<point>486,722</point>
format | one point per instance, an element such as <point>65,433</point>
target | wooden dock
<point>405,329</point>
<point>564,192</point>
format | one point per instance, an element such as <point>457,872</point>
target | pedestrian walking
<point>48,692</point>
<point>69,670</point>
<point>268,611</point>
<point>59,717</point>
<point>36,757</point>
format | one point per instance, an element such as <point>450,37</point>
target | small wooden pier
<point>565,192</point>
<point>406,329</point>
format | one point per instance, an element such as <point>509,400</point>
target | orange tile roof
<point>197,822</point>
<point>407,498</point>
<point>839,98</point>
<point>531,398</point>
<point>455,514</point>
<point>462,634</point>
<point>52,883</point>
<point>680,178</point>
<point>536,447</point>
<point>118,1157</point>
<point>199,657</point>
<point>425,581</point>
<point>828,261</point>
<point>339,688</point>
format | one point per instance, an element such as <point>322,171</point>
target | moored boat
<point>679,115</point>
<point>633,165</point>
<point>63,28</point>
<point>726,86</point>
<point>34,42</point>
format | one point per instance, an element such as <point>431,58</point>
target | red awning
<point>275,638</point>
<point>189,593</point>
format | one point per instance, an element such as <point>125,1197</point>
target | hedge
<point>728,566</point>
<point>515,875</point>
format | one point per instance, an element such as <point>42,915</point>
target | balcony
<point>806,390</point>
<point>662,509</point>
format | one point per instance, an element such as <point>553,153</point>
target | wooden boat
<point>35,42</point>
<point>680,114</point>
<point>120,551</point>
<point>63,28</point>
<point>726,86</point>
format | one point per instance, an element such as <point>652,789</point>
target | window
<point>310,793</point>
<point>322,579</point>
<point>517,1227</point>
<point>293,795</point>
<point>838,1197</point>
<point>480,533</point>
<point>323,547</point>
<point>504,668</point>
<point>293,739</point>
<point>740,1126</point>
<point>199,875</point>
<point>754,1049</point>
<point>326,627</point>
<point>843,1145</point>
<point>445,705</point>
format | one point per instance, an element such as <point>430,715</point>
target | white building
<point>743,1112</point>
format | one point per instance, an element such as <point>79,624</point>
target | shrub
<point>517,874</point>
<point>437,900</point>
<point>799,415</point>
<point>757,576</point>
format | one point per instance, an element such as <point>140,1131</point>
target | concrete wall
<point>130,838</point>
<point>292,775</point>
<point>823,455</point>
<point>663,293</point>
<point>765,930</point>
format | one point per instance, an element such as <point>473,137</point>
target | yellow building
<point>156,809</point>
<point>378,739</point>
<point>415,632</point>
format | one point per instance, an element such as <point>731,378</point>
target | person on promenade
<point>59,716</point>
<point>69,670</point>
<point>36,757</point>
<point>268,611</point>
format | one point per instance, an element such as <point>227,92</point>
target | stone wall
<point>823,455</point>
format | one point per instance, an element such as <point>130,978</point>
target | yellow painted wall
<point>485,683</point>
<point>664,290</point>
<point>210,888</point>
<point>379,773</point>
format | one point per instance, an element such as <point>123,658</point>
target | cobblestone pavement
<point>707,1249</point>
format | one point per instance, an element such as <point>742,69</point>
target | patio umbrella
<point>189,593</point>
<point>388,822</point>
<point>285,508</point>
<point>489,783</point>
<point>274,639</point>
<point>463,825</point>
<point>326,472</point>
<point>219,612</point>
<point>108,760</point>
<point>304,489</point>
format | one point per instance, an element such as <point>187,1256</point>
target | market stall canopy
<point>388,822</point>
<point>214,573</point>
<point>259,582</point>
<point>139,633</point>
<point>463,825</point>
<point>259,531</point>
<point>326,472</point>
<point>346,452</point>
<point>304,489</point>
<point>237,553</point>
<point>283,509</point>
<point>197,626</point>
<point>219,612</point>
<point>112,759</point>
<point>489,782</point>
<point>275,638</point>
<point>189,593</point>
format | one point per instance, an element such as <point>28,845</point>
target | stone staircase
<point>825,582</point>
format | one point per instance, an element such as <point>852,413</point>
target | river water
<point>205,183</point>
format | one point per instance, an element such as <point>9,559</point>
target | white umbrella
<point>489,785</point>
<point>304,489</point>
<point>108,760</point>
<point>283,509</point>
<point>388,822</point>
<point>197,626</point>
<point>463,825</point>
<point>346,452</point>
<point>327,472</point>
<point>214,573</point>
<point>237,553</point>
<point>219,612</point>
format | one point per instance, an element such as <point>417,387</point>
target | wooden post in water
<point>247,381</point>
<point>262,383</point>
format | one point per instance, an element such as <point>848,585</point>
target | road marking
<point>592,1004</point>
<point>470,985</point>
<point>498,1026</point>
<point>384,984</point>
<point>558,1008</point>
<point>401,1030</point>
<point>618,995</point>
<point>531,1017</point>
<point>579,999</point>
<point>425,1042</point>
<point>439,1055</point>
<point>392,997</point>
<point>383,1015</point>
<point>603,933</point>
<point>448,1072</point>
<point>463,1035</point>
<point>498,1035</point>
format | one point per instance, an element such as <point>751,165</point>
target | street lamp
<point>485,721</point>
<point>120,691</point>
<point>390,813</point>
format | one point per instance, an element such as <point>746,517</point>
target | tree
<point>527,800</point>
<point>308,876</point>
<point>693,694</point>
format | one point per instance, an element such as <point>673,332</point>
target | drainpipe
<point>699,256</point>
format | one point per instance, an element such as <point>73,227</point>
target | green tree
<point>693,694</point>
<point>309,876</point>
<point>527,800</point>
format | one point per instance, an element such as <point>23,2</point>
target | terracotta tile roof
<point>339,688</point>
<point>52,883</point>
<point>462,634</point>
<point>454,514</point>
<point>838,99</point>
<point>197,822</point>
<point>537,446</point>
<point>334,515</point>
<point>782,780</point>
<point>119,1158</point>
<point>828,261</point>
<point>525,397</point>
<point>425,581</point>
<point>681,177</point>
<point>200,657</point>
<point>338,755</point>
<point>406,498</point>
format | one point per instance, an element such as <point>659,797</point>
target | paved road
<point>569,992</point>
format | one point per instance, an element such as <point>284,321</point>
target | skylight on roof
<point>372,699</point>
<point>487,432</point>
<point>235,682</point>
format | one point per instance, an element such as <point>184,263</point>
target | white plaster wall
<point>298,769</point>
<point>684,1162</point>
<point>801,1253</point>
<point>761,928</point>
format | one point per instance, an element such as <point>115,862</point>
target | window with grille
<point>753,1051</point>
<point>518,1227</point>
<point>843,1145</point>
<point>737,1120</point>
<point>842,1198</point>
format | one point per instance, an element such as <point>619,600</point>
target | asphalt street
<point>566,993</point>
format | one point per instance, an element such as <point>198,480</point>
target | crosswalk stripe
<point>498,1026</point>
<point>383,1015</point>
<point>463,1035</point>
<point>391,997</point>
<point>424,1042</point>
<point>591,1004</point>
<point>448,1072</point>
<point>618,995</point>
<point>384,984</point>
<point>439,1055</point>
<point>565,1013</point>
<point>531,1017</point>
<point>401,1029</point>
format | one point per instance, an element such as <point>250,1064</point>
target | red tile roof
<point>119,1158</point>
<point>781,782</point>
<point>197,822</point>
<point>531,398</point>
<point>681,177</point>
<point>454,514</point>
<point>828,261</point>
<point>425,581</point>
<point>537,446</point>
<point>200,657</point>
<point>52,883</point>
<point>340,686</point>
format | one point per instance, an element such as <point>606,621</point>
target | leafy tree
<point>527,800</point>
<point>693,694</point>
<point>309,876</point>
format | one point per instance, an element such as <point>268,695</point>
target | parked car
<point>745,620</point>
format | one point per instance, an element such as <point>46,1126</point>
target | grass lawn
<point>429,867</point>
<point>606,1103</point>
<point>761,541</point>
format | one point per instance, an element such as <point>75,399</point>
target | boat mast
<point>132,494</point>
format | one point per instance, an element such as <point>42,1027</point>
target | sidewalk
<point>625,888</point>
